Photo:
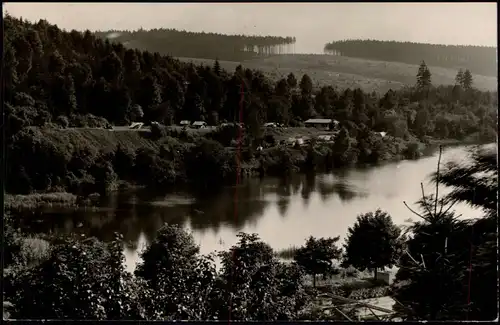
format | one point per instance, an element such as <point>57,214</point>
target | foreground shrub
<point>180,277</point>
<point>79,280</point>
<point>257,285</point>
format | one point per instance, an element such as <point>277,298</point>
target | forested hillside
<point>347,72</point>
<point>275,56</point>
<point>56,79</point>
<point>72,73</point>
<point>479,59</point>
<point>201,45</point>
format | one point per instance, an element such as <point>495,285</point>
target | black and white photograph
<point>250,161</point>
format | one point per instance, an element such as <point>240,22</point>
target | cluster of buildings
<point>327,124</point>
<point>194,125</point>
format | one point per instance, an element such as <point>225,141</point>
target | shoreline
<point>62,199</point>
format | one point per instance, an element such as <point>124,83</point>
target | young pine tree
<point>467,80</point>
<point>459,79</point>
<point>423,76</point>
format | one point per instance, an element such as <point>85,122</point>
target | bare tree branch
<point>424,201</point>
<point>373,313</point>
<point>414,260</point>
<point>423,262</point>
<point>417,214</point>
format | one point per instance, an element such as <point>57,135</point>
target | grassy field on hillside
<point>101,139</point>
<point>345,72</point>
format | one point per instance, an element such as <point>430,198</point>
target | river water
<point>283,212</point>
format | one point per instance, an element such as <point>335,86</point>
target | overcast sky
<point>313,24</point>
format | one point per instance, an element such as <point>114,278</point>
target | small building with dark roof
<point>322,123</point>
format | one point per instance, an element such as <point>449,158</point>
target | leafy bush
<point>179,276</point>
<point>372,242</point>
<point>412,151</point>
<point>79,280</point>
<point>33,251</point>
<point>351,272</point>
<point>62,121</point>
<point>157,131</point>
<point>262,287</point>
<point>317,255</point>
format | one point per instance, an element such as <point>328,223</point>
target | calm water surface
<point>283,212</point>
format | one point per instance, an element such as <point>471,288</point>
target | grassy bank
<point>469,140</point>
<point>37,200</point>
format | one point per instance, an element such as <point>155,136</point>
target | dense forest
<point>56,79</point>
<point>201,45</point>
<point>480,60</point>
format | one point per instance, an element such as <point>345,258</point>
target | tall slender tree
<point>459,78</point>
<point>423,76</point>
<point>467,80</point>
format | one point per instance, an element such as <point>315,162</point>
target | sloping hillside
<point>479,59</point>
<point>345,72</point>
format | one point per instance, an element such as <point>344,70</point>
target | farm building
<point>322,123</point>
<point>199,124</point>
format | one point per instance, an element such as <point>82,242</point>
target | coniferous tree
<point>467,80</point>
<point>291,80</point>
<point>423,76</point>
<point>459,79</point>
<point>217,67</point>
<point>457,257</point>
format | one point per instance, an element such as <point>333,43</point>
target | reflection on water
<point>282,211</point>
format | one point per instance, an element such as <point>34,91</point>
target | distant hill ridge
<point>479,59</point>
<point>202,45</point>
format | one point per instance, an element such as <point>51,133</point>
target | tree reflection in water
<point>133,213</point>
